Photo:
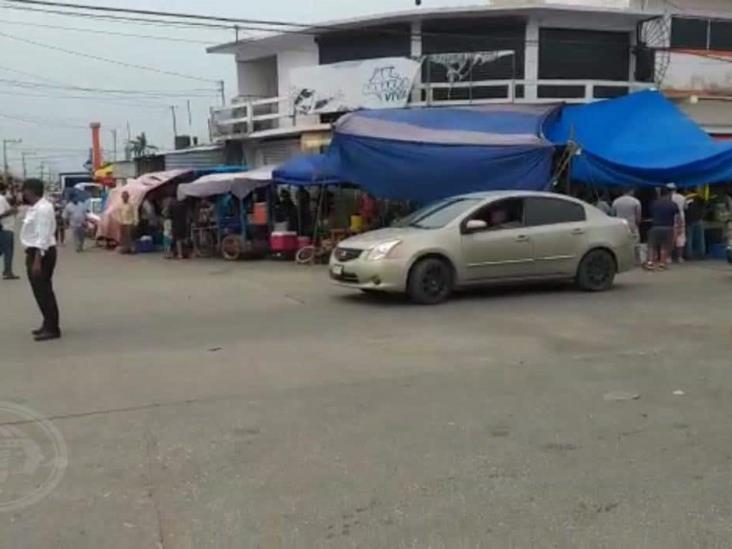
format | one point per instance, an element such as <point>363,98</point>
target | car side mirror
<point>475,225</point>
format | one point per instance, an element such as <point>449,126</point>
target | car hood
<point>372,238</point>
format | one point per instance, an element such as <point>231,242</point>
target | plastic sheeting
<point>137,189</point>
<point>640,139</point>
<point>310,169</point>
<point>430,153</point>
<point>240,184</point>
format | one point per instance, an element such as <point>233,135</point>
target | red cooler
<point>284,242</point>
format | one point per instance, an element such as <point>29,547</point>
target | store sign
<point>371,84</point>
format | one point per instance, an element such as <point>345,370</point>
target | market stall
<point>138,189</point>
<point>324,211</point>
<point>235,222</point>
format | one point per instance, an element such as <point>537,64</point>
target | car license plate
<point>337,270</point>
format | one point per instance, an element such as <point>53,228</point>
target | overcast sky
<point>60,139</point>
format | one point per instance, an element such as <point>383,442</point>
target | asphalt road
<point>207,404</point>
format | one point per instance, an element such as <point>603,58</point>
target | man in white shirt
<point>38,238</point>
<point>7,235</point>
<point>75,215</point>
<point>628,207</point>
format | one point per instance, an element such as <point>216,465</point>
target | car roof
<point>515,194</point>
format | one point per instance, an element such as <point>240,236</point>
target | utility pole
<point>128,144</point>
<point>175,122</point>
<point>42,169</point>
<point>114,142</point>
<point>222,90</point>
<point>6,170</point>
<point>24,155</point>
<point>190,117</point>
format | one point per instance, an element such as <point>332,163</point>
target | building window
<point>568,54</point>
<point>701,34</point>
<point>720,35</point>
<point>690,34</point>
<point>368,43</point>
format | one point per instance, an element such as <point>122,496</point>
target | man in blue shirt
<point>666,216</point>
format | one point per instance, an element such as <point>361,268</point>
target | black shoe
<point>47,336</point>
<point>38,331</point>
<point>10,276</point>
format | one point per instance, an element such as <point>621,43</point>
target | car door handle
<point>522,238</point>
<point>578,231</point>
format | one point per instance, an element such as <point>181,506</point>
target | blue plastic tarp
<point>425,154</point>
<point>640,139</point>
<point>310,169</point>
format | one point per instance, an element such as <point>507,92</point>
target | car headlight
<point>382,251</point>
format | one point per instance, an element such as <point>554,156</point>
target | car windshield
<point>437,214</point>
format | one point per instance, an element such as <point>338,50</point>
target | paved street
<point>208,404</point>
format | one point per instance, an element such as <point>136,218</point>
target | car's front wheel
<point>596,272</point>
<point>430,281</point>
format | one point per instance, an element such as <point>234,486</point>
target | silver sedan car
<point>484,238</point>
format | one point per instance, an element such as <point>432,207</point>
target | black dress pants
<point>42,285</point>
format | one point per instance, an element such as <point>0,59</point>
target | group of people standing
<point>173,221</point>
<point>677,229</point>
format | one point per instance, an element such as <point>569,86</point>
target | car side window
<point>551,211</point>
<point>501,215</point>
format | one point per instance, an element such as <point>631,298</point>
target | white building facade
<point>517,51</point>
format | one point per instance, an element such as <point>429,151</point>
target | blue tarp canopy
<point>310,169</point>
<point>640,139</point>
<point>425,154</point>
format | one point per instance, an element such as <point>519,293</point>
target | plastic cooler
<point>144,245</point>
<point>283,242</point>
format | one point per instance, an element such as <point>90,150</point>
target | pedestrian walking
<point>680,229</point>
<point>75,216</point>
<point>38,237</point>
<point>128,220</point>
<point>7,234</point>
<point>58,209</point>
<point>665,214</point>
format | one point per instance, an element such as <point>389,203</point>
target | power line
<point>108,33</point>
<point>157,13</point>
<point>144,93</point>
<point>92,99</point>
<point>45,123</point>
<point>131,20</point>
<point>105,59</point>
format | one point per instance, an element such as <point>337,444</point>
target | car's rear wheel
<point>596,272</point>
<point>430,281</point>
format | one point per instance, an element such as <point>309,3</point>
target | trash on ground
<point>620,395</point>
<point>679,392</point>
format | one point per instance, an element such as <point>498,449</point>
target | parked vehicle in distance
<point>486,238</point>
